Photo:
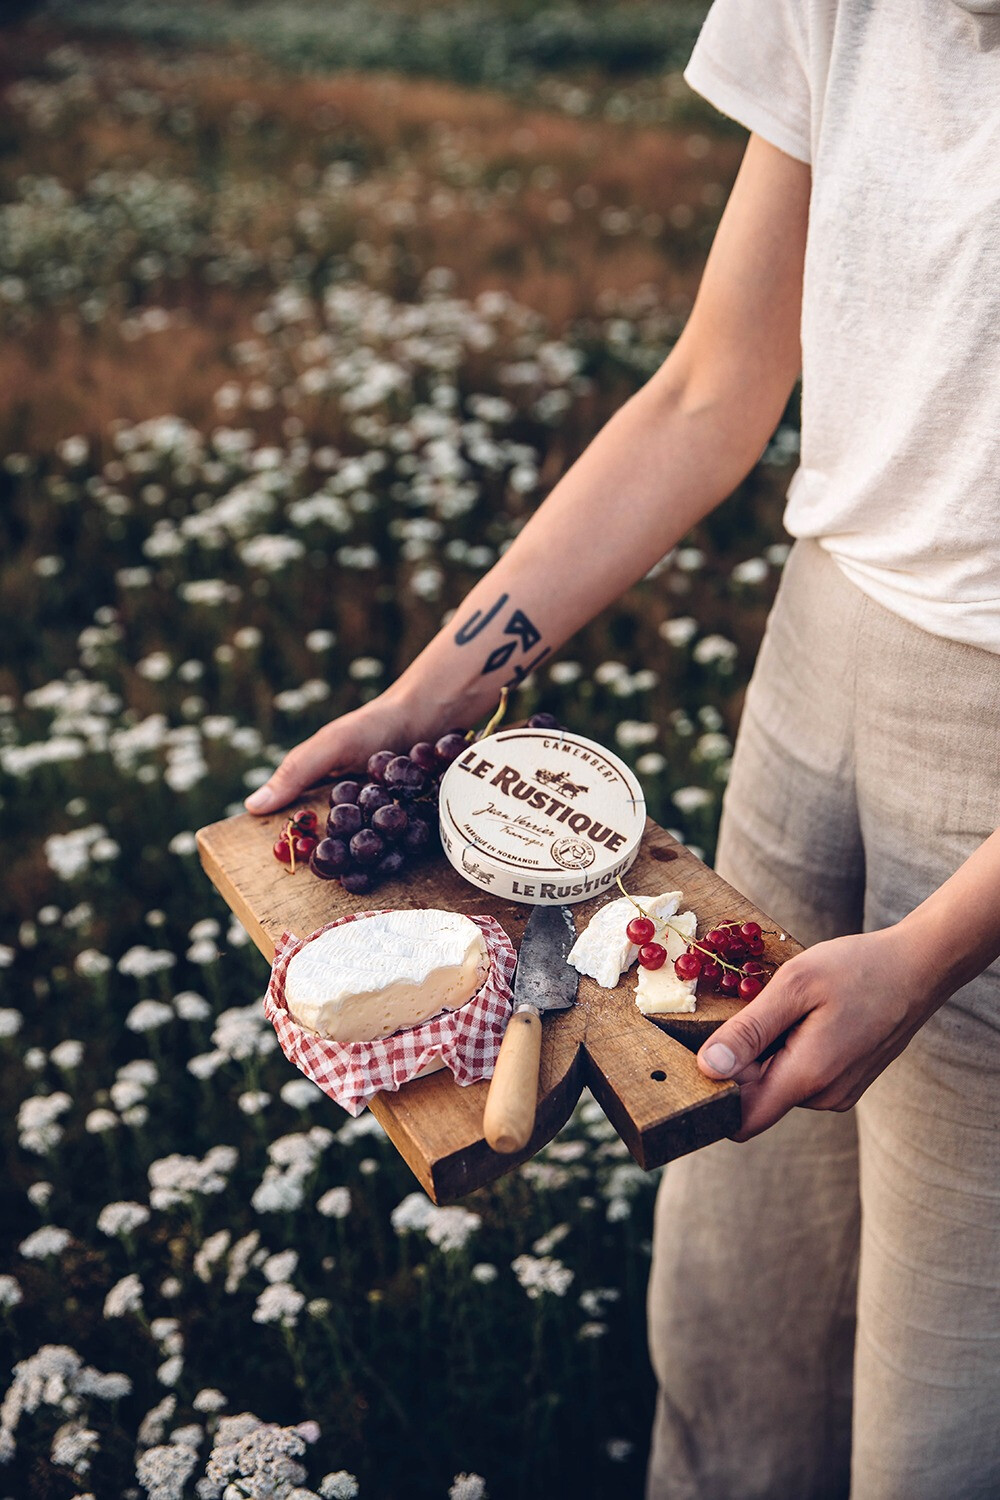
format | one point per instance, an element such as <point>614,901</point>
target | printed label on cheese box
<point>541,816</point>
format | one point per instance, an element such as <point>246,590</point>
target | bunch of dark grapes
<point>383,821</point>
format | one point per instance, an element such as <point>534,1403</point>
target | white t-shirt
<point>896,106</point>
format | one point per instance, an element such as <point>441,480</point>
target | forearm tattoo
<point>521,639</point>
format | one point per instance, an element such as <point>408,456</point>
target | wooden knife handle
<point>509,1117</point>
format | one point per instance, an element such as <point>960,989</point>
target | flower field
<point>288,356</point>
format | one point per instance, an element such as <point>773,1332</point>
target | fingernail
<point>719,1058</point>
<point>260,800</point>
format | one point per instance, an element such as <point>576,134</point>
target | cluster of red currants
<point>727,958</point>
<point>298,838</point>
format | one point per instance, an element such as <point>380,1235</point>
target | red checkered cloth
<point>467,1039</point>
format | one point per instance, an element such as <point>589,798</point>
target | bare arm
<point>665,459</point>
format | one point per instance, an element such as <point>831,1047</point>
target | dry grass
<point>466,179</point>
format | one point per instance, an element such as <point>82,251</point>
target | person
<point>824,1303</point>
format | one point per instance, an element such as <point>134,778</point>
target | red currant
<point>711,972</point>
<point>652,955</point>
<point>750,987</point>
<point>304,846</point>
<point>753,967</point>
<point>282,851</point>
<point>730,982</point>
<point>755,945</point>
<point>305,820</point>
<point>640,930</point>
<point>687,965</point>
<point>750,930</point>
<point>715,939</point>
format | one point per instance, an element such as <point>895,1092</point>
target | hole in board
<point>663,855</point>
<point>658,1074</point>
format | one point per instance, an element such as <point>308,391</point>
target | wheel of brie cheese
<point>365,979</point>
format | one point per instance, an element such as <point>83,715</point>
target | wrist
<point>931,939</point>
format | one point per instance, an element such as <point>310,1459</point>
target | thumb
<point>740,1041</point>
<point>308,763</point>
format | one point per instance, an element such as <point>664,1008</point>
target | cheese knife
<point>543,981</point>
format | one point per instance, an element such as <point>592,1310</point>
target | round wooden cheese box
<point>540,816</point>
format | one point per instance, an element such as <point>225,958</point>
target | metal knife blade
<point>544,980</point>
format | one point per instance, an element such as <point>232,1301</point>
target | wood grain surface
<point>642,1072</point>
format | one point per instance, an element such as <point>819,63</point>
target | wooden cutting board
<point>643,1072</point>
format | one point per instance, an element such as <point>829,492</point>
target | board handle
<point>509,1116</point>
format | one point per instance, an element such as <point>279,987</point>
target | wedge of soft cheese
<point>659,992</point>
<point>364,980</point>
<point>602,951</point>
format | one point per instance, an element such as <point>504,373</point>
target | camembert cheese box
<point>541,816</point>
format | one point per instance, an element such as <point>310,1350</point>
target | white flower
<point>467,1487</point>
<point>618,1449</point>
<point>140,962</point>
<point>689,799</point>
<point>148,1015</point>
<point>412,1214</point>
<point>547,1242</point>
<point>39,1194</point>
<point>10,1021</point>
<point>270,553</point>
<point>99,1121</point>
<point>171,1370</point>
<point>365,668</point>
<point>299,1093</point>
<point>205,1064</point>
<point>715,649</point>
<point>183,843</point>
<point>10,1291</point>
<point>210,1253</point>
<point>204,951</point>
<point>209,1400</point>
<point>280,1266</point>
<point>67,1054</point>
<point>339,1486</point>
<point>72,1444</point>
<point>753,571</point>
<point>176,1179</point>
<point>37,1117</point>
<point>564,672</point>
<point>484,1273</point>
<point>632,732</point>
<point>118,1219</point>
<point>320,640</point>
<point>154,1423</point>
<point>240,1257</point>
<point>451,1228</point>
<point>124,1297</point>
<point>125,1092</point>
<point>191,1006</point>
<point>610,671</point>
<point>679,631</point>
<point>205,927</point>
<point>689,559</point>
<point>335,1203</point>
<point>253,1101</point>
<point>651,764</point>
<point>279,1303</point>
<point>540,1275</point>
<point>712,747</point>
<point>164,1471</point>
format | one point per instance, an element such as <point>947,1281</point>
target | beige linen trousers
<point>824,1302</point>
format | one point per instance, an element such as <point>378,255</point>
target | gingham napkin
<point>467,1039</point>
